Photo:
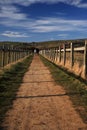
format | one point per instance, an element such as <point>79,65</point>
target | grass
<point>10,81</point>
<point>74,86</point>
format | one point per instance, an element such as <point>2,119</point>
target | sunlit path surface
<point>41,104</point>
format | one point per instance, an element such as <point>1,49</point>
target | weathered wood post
<point>24,53</point>
<point>51,54</point>
<point>54,54</point>
<point>6,56</point>
<point>44,52</point>
<point>59,53</point>
<point>64,54</point>
<point>20,53</point>
<point>12,54</point>
<point>85,60</point>
<point>48,53</point>
<point>72,54</point>
<point>3,55</point>
<point>9,60</point>
<point>15,54</point>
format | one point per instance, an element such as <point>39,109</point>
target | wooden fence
<point>72,56</point>
<point>10,54</point>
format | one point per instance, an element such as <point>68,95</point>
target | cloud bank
<point>78,3</point>
<point>13,34</point>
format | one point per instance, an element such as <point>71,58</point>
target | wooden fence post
<point>64,54</point>
<point>53,54</point>
<point>12,53</point>
<point>59,53</point>
<point>3,55</point>
<point>72,54</point>
<point>85,59</point>
<point>9,60</point>
<point>15,54</point>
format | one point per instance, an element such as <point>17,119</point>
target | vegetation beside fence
<point>74,86</point>
<point>10,81</point>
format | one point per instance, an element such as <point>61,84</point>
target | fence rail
<point>72,56</point>
<point>10,54</point>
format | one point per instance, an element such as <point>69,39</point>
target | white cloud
<point>11,12</point>
<point>13,34</point>
<point>84,5</point>
<point>56,24</point>
<point>78,3</point>
<point>63,35</point>
<point>48,24</point>
<point>11,16</point>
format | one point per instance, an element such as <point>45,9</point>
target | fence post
<point>3,55</point>
<point>15,55</point>
<point>59,53</point>
<point>64,54</point>
<point>12,54</point>
<point>72,55</point>
<point>48,53</point>
<point>85,59</point>
<point>9,60</point>
<point>53,54</point>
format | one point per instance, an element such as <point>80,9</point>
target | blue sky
<point>42,20</point>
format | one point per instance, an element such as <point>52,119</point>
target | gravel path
<point>41,104</point>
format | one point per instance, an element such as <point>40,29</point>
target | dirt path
<point>42,105</point>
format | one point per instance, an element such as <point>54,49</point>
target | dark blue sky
<point>42,20</point>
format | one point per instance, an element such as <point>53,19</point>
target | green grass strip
<point>10,81</point>
<point>73,85</point>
